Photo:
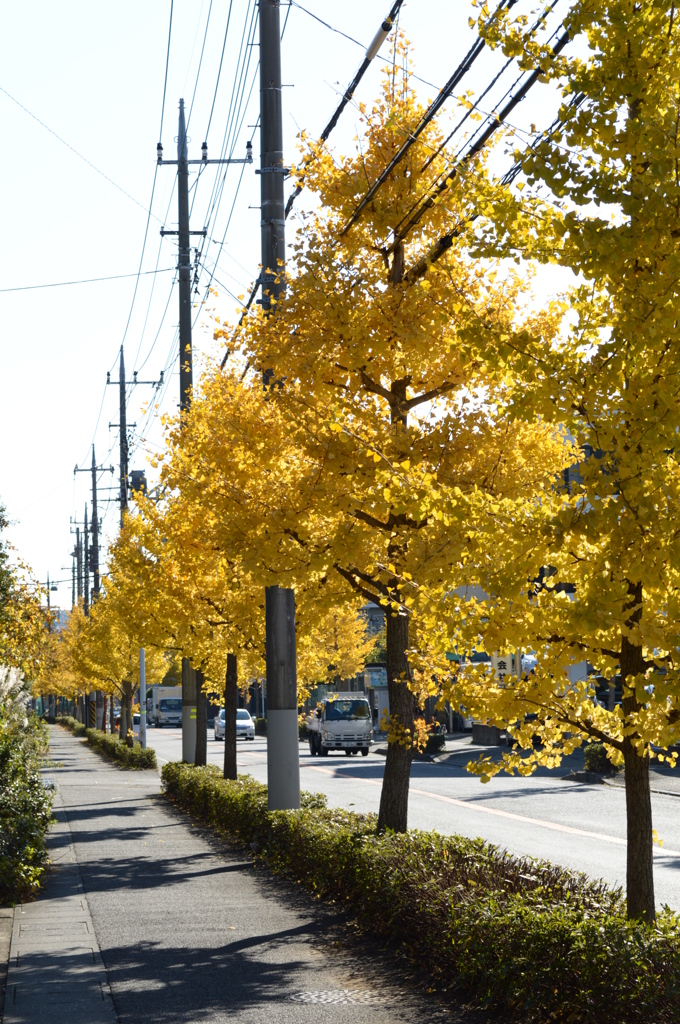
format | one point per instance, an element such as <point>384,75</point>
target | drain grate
<point>338,996</point>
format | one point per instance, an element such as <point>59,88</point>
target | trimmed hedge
<point>25,806</point>
<point>111,747</point>
<point>520,935</point>
<point>76,727</point>
<point>135,756</point>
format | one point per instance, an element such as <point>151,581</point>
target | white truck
<point>342,722</point>
<point>164,706</point>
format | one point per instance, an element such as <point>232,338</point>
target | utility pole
<point>73,579</point>
<point>79,564</point>
<point>272,172</point>
<point>86,567</point>
<point>122,384</point>
<point>122,424</point>
<point>186,370</point>
<point>283,745</point>
<point>95,530</point>
<point>92,552</point>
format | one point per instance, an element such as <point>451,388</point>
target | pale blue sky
<point>93,73</point>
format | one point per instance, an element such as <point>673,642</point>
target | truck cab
<point>341,723</point>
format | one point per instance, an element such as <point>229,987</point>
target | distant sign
<point>506,665</point>
<point>375,676</point>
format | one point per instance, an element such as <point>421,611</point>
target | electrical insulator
<point>159,153</point>
<point>204,151</point>
<point>379,39</point>
<point>249,151</point>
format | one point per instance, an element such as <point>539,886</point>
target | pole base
<point>189,733</point>
<point>283,760</point>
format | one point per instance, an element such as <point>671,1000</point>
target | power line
<point>494,123</point>
<point>431,112</point>
<point>200,63</point>
<point>371,52</point>
<point>219,70</point>
<point>74,150</point>
<point>86,280</point>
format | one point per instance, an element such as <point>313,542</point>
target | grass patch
<point>523,936</point>
<point>110,746</point>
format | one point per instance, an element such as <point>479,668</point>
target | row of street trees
<point>424,408</point>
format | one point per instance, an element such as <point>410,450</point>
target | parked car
<point>245,727</point>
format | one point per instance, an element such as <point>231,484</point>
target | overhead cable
<point>494,124</point>
<point>431,112</point>
<point>74,150</point>
<point>446,241</point>
<point>85,280</point>
<point>371,53</point>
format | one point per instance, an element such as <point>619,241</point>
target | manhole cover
<point>343,996</point>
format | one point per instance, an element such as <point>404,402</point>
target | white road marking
<point>468,805</point>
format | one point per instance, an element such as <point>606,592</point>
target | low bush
<point>531,939</point>
<point>436,742</point>
<point>596,759</point>
<point>260,726</point>
<point>110,746</point>
<point>76,727</point>
<point>135,756</point>
<point>25,802</point>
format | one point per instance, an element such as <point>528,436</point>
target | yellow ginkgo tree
<point>590,573</point>
<point>389,383</point>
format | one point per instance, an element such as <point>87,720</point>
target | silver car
<point>245,727</point>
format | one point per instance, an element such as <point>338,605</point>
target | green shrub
<point>260,726</point>
<point>596,759</point>
<point>526,937</point>
<point>110,746</point>
<point>76,727</point>
<point>25,805</point>
<point>435,743</point>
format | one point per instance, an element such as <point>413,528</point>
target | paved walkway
<point>146,918</point>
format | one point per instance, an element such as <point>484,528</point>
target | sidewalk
<point>147,918</point>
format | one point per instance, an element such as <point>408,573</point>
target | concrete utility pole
<point>122,425</point>
<point>142,697</point>
<point>122,385</point>
<point>272,171</point>
<point>79,564</point>
<point>186,371</point>
<point>86,567</point>
<point>73,579</point>
<point>283,746</point>
<point>95,530</point>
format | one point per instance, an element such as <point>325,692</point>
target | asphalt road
<point>190,930</point>
<point>582,827</point>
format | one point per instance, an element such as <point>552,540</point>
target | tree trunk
<point>125,734</point>
<point>640,849</point>
<point>640,856</point>
<point>230,707</point>
<point>201,756</point>
<point>393,812</point>
<point>122,722</point>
